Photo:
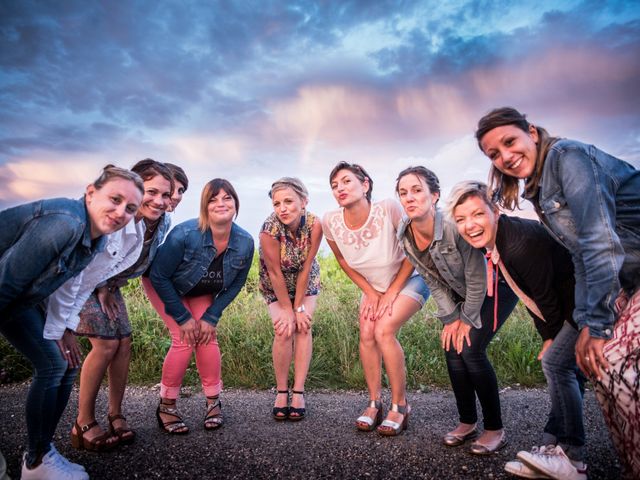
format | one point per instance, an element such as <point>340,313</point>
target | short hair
<point>178,174</point>
<point>430,178</point>
<point>110,172</point>
<point>464,190</point>
<point>293,183</point>
<point>149,168</point>
<point>210,190</point>
<point>358,171</point>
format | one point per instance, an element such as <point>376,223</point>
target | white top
<point>373,249</point>
<point>121,251</point>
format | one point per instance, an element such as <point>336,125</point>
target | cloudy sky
<point>251,91</point>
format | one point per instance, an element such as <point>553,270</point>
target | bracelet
<point>300,309</point>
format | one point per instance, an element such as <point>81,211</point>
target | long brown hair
<point>504,188</point>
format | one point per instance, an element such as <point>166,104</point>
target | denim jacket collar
<point>438,231</point>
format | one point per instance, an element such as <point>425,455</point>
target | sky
<point>254,90</point>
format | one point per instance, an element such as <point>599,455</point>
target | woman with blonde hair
<point>290,283</point>
<point>540,271</point>
<point>197,273</point>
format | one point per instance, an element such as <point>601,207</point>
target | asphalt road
<point>324,445</point>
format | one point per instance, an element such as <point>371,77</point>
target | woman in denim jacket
<point>42,245</point>
<point>456,275</point>
<point>540,271</point>
<point>197,273</point>
<point>590,202</point>
<point>105,321</point>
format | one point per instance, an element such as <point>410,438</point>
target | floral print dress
<point>294,250</point>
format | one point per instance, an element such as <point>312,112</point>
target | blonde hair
<point>293,183</point>
<point>462,191</point>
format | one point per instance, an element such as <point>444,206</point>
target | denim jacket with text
<point>186,254</point>
<point>590,201</point>
<point>42,245</point>
<point>461,266</point>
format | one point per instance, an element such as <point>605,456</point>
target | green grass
<point>245,335</point>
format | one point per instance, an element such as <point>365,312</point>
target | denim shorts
<point>416,289</point>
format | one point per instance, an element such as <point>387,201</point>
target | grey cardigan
<point>462,267</point>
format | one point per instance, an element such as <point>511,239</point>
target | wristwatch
<point>300,309</point>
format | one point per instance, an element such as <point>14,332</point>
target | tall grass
<point>245,336</point>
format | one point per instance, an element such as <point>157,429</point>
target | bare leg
<point>93,369</point>
<point>118,374</point>
<point>386,330</point>
<point>303,348</point>
<point>282,354</point>
<point>371,359</point>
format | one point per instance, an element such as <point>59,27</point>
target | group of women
<point>577,271</point>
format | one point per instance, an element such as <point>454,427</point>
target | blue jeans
<point>52,381</point>
<point>565,426</point>
<point>471,373</point>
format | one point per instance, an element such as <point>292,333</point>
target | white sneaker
<point>520,469</point>
<point>51,468</point>
<point>553,462</point>
<point>66,461</point>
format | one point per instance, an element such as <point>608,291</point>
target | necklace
<point>358,223</point>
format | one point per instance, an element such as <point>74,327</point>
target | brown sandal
<point>98,444</point>
<point>124,434</point>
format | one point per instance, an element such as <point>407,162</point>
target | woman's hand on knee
<point>284,323</point>
<point>70,349</point>
<point>189,332</point>
<point>369,305</point>
<point>206,334</point>
<point>462,335</point>
<point>589,354</point>
<point>385,303</point>
<point>303,322</point>
<point>545,346</point>
<point>108,303</point>
<point>448,334</point>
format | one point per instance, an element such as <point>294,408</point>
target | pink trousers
<point>619,390</point>
<point>179,354</point>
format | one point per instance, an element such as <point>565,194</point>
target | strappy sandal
<point>368,424</point>
<point>281,413</point>
<point>124,434</point>
<point>97,444</point>
<point>213,420</point>
<point>173,427</point>
<point>389,428</point>
<point>297,414</point>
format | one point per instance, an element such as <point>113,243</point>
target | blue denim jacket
<point>180,261</point>
<point>42,245</point>
<point>590,201</point>
<point>462,267</point>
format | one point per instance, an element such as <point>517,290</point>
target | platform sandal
<point>389,428</point>
<point>97,444</point>
<point>296,414</point>
<point>368,424</point>
<point>281,413</point>
<point>124,434</point>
